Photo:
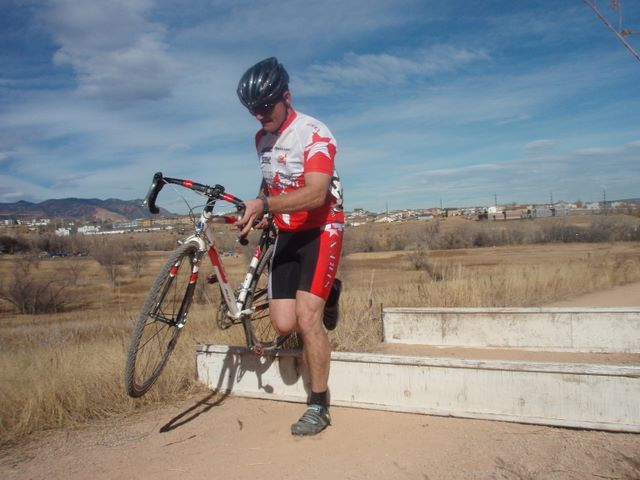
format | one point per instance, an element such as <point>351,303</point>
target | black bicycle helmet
<point>264,83</point>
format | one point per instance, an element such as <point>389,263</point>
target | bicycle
<point>165,311</point>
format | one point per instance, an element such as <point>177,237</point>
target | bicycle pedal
<point>211,278</point>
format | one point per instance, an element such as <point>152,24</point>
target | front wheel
<point>161,320</point>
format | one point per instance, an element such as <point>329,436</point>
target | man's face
<point>271,117</point>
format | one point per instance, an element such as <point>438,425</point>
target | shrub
<point>13,245</point>
<point>33,295</point>
<point>420,260</point>
<point>563,232</point>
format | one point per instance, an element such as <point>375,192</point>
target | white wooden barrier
<point>562,394</point>
<point>543,329</point>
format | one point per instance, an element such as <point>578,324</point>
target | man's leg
<point>316,352</point>
<point>306,312</point>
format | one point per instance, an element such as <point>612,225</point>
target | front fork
<point>189,292</point>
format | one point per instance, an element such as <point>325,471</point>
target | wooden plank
<point>541,329</point>
<point>575,395</point>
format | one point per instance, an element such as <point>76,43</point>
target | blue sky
<point>431,102</point>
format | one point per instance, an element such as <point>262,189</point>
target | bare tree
<point>621,32</point>
<point>111,255</point>
<point>138,257</point>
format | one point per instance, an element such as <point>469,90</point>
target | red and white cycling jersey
<point>302,145</point>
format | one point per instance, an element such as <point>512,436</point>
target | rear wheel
<point>161,320</point>
<point>257,326</point>
<point>264,334</point>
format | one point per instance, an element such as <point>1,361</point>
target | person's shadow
<point>237,363</point>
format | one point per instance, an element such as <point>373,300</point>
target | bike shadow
<point>235,365</point>
<point>211,400</point>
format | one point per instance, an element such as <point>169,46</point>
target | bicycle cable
<point>191,209</point>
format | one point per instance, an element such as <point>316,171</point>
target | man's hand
<point>252,212</point>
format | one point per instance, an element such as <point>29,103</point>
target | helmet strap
<point>286,117</point>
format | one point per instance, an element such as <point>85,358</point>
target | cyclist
<point>302,190</point>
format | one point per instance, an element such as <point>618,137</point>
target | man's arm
<point>312,195</point>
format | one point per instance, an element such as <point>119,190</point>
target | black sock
<point>318,398</point>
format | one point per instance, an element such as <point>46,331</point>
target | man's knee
<point>308,324</point>
<point>309,310</point>
<point>283,315</point>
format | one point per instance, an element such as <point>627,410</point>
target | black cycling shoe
<point>331,308</point>
<point>313,421</point>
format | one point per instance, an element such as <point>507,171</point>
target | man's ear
<point>286,96</point>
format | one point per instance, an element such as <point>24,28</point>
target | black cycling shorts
<point>306,261</point>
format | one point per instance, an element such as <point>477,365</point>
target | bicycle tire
<point>264,334</point>
<point>160,321</point>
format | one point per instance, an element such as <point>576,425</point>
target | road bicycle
<point>166,309</point>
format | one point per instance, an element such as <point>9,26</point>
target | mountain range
<point>89,209</point>
<point>95,209</point>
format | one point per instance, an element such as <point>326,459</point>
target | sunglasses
<point>264,109</point>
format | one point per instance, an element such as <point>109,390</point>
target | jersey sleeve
<point>319,154</point>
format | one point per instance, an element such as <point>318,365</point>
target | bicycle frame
<point>205,240</point>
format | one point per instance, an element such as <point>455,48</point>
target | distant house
<point>62,232</point>
<point>88,230</point>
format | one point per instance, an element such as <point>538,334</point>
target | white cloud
<point>176,147</point>
<point>294,29</point>
<point>568,176</point>
<point>601,151</point>
<point>520,117</point>
<point>538,145</point>
<point>373,70</point>
<point>9,195</point>
<point>116,54</point>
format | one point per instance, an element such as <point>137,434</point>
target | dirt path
<point>244,439</point>
<point>624,296</point>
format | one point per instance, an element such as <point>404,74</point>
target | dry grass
<point>65,369</point>
<point>484,277</point>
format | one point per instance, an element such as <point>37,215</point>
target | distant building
<point>62,232</point>
<point>125,225</point>
<point>88,230</point>
<point>40,222</point>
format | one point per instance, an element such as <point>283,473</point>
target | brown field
<point>65,368</point>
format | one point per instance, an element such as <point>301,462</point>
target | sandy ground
<point>234,438</point>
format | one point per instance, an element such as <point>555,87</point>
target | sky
<point>461,103</point>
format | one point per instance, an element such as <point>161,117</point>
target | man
<point>302,190</point>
